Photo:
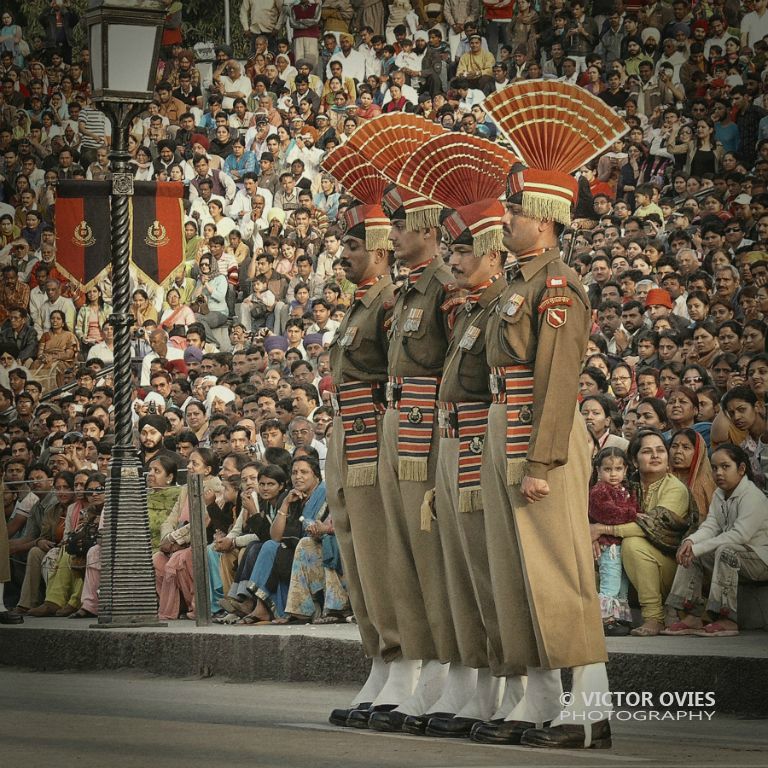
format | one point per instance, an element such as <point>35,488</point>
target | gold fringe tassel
<point>425,218</point>
<point>361,475</point>
<point>377,238</point>
<point>470,500</point>
<point>545,207</point>
<point>486,242</point>
<point>428,510</point>
<point>412,469</point>
<point>515,471</point>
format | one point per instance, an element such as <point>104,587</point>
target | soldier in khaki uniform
<point>418,340</point>
<point>358,356</point>
<point>536,465</point>
<point>475,233</point>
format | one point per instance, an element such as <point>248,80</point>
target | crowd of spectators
<point>232,375</point>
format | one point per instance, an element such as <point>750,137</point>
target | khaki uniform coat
<point>462,534</point>
<point>540,554</point>
<point>358,512</point>
<point>416,569</point>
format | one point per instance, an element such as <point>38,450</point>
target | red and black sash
<point>468,422</point>
<point>359,417</point>
<point>416,408</point>
<point>513,385</point>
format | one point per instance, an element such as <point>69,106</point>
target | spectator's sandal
<point>83,614</point>
<point>680,628</point>
<point>261,614</point>
<point>328,620</point>
<point>281,620</point>
<point>716,629</point>
<point>229,618</point>
<point>644,630</point>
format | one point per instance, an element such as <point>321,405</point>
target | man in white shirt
<point>570,72</point>
<point>241,205</point>
<point>352,61</point>
<point>754,26</point>
<point>54,301</point>
<point>332,251</point>
<point>718,34</point>
<point>306,151</point>
<point>321,312</point>
<point>158,340</point>
<point>199,209</point>
<point>468,97</point>
<point>409,93</point>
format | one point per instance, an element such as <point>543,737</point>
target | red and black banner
<point>83,248</point>
<point>157,245</point>
<point>82,230</point>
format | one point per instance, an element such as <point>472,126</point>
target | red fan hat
<point>467,174</point>
<point>361,180</point>
<point>556,128</point>
<point>386,142</point>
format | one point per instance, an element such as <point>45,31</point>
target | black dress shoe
<point>340,716</point>
<point>494,721</point>
<point>451,727</point>
<point>387,722</point>
<point>417,724</point>
<point>9,617</point>
<point>358,718</point>
<point>569,736</point>
<point>505,732</point>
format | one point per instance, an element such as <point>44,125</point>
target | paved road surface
<point>130,720</point>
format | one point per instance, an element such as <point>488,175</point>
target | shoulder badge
<point>556,317</point>
<point>557,281</point>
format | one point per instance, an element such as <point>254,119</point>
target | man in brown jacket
<point>418,340</point>
<point>358,359</point>
<point>464,400</point>
<point>536,465</point>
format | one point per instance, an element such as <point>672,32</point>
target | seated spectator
<point>729,547</point>
<point>301,506</point>
<point>648,545</point>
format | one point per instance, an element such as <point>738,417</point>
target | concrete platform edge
<point>333,661</point>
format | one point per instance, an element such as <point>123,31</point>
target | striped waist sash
<point>513,386</point>
<point>416,417</point>
<point>359,406</point>
<point>468,422</point>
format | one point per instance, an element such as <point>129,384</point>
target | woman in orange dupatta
<point>689,463</point>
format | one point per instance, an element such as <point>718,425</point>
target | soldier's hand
<point>534,489</point>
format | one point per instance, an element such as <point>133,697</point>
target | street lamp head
<point>124,41</point>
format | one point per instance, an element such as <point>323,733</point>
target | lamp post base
<point>127,595</point>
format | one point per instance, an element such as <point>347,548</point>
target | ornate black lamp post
<point>124,41</point>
